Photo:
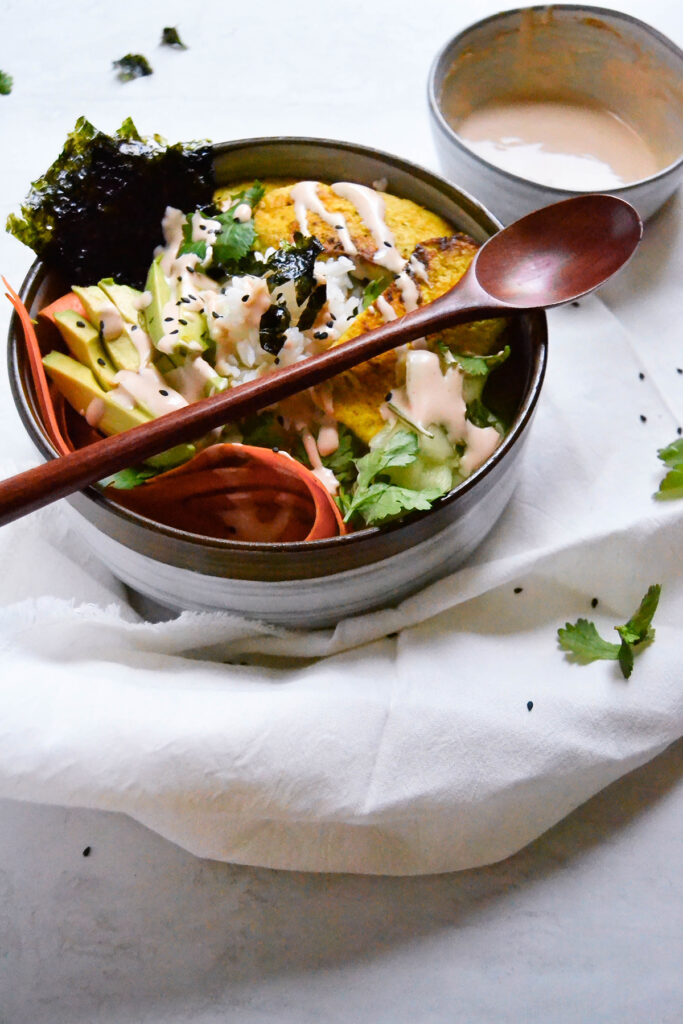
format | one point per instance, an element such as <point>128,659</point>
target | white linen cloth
<point>403,754</point>
<point>355,749</point>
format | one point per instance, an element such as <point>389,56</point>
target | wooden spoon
<point>550,257</point>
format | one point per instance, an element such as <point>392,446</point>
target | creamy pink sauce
<point>562,144</point>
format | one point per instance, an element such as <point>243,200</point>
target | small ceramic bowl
<point>559,53</point>
<point>316,583</point>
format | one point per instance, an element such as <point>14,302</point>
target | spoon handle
<point>58,477</point>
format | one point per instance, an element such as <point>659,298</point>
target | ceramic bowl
<point>310,584</point>
<point>599,56</point>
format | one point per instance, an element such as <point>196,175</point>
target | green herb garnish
<point>376,499</point>
<point>374,289</point>
<point>127,479</point>
<point>583,640</point>
<point>672,484</point>
<point>133,65</point>
<point>6,83</point>
<point>170,37</point>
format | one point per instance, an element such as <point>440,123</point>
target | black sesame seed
<point>387,397</point>
<point>101,361</point>
<point>276,449</point>
<point>245,298</point>
<point>679,431</point>
<point>643,419</point>
<point>168,319</point>
<point>641,376</point>
<point>202,310</point>
<point>577,304</point>
<point>338,227</point>
<point>183,322</point>
<point>192,296</point>
<point>679,369</point>
<point>135,327</point>
<point>215,315</point>
<point>277,360</point>
<point>279,297</point>
<point>179,278</point>
<point>79,323</point>
<point>594,603</point>
<point>529,705</point>
<point>330,324</point>
<point>392,636</point>
<point>388,245</point>
<point>518,590</point>
<point>87,851</point>
<point>162,391</point>
<point>178,302</point>
<point>184,299</point>
<point>320,335</point>
<point>175,332</point>
<point>202,227</point>
<point>332,316</point>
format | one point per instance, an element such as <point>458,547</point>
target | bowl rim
<point>555,190</point>
<point>469,205</point>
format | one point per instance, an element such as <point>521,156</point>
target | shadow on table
<point>139,930</point>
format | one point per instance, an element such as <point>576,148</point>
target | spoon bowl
<point>558,253</point>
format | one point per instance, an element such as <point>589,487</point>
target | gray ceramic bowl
<point>604,56</point>
<point>317,583</point>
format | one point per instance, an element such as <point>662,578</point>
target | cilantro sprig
<point>6,83</point>
<point>375,498</point>
<point>583,640</point>
<point>672,484</point>
<point>374,289</point>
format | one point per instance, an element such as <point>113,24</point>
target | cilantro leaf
<point>6,83</point>
<point>672,484</point>
<point>401,449</point>
<point>188,245</point>
<point>380,502</point>
<point>478,414</point>
<point>170,37</point>
<point>374,289</point>
<point>583,640</point>
<point>638,629</point>
<point>234,241</point>
<point>475,366</point>
<point>133,65</point>
<point>343,460</point>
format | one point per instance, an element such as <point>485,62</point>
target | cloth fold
<point>444,733</point>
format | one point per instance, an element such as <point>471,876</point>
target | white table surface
<point>586,924</point>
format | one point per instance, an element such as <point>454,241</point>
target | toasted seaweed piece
<point>295,263</point>
<point>133,65</point>
<point>170,37</point>
<point>97,211</point>
<point>272,327</point>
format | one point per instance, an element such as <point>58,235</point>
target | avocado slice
<point>193,332</point>
<point>78,385</point>
<point>84,344</point>
<point>160,291</point>
<point>173,457</point>
<point>124,297</point>
<point>101,310</point>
